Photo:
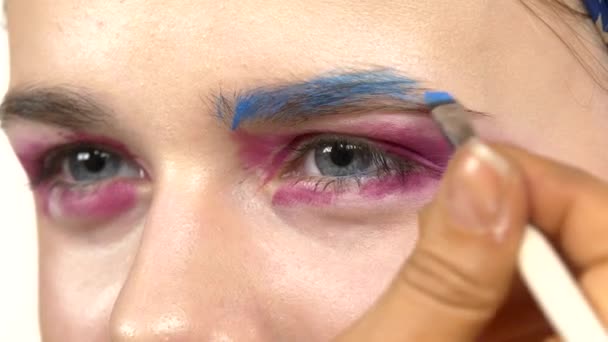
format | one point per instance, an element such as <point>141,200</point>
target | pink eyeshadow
<point>379,188</point>
<point>373,189</point>
<point>417,139</point>
<point>103,202</point>
<point>423,139</point>
<point>266,153</point>
<point>293,195</point>
<point>29,157</point>
<point>31,153</point>
<point>256,150</point>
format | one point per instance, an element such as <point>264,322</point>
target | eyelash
<point>49,164</point>
<point>385,163</point>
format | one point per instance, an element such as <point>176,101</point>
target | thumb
<point>461,270</point>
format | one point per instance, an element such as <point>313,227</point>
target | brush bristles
<point>454,123</point>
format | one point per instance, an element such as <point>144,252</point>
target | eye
<point>328,167</point>
<point>81,165</point>
<point>91,164</point>
<point>336,157</point>
<point>339,158</point>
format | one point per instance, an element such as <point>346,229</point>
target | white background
<point>18,256</point>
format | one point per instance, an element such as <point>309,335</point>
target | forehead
<point>159,58</point>
<point>130,37</point>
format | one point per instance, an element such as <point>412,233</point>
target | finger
<point>571,207</point>
<point>552,339</point>
<point>568,204</point>
<point>460,271</point>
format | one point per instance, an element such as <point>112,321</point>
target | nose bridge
<point>186,283</point>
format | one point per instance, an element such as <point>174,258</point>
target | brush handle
<point>556,291</point>
<point>553,287</point>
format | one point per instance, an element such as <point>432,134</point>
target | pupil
<point>342,154</point>
<point>93,160</point>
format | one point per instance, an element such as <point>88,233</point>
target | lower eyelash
<point>343,184</point>
<point>101,201</point>
<point>326,190</point>
<point>384,161</point>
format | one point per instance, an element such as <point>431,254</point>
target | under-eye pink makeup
<point>98,203</point>
<point>402,153</point>
<point>307,193</point>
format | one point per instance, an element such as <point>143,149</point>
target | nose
<point>188,281</point>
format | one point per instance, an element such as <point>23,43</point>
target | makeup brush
<point>545,274</point>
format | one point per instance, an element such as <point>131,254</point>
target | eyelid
<point>393,174</point>
<point>50,161</point>
<point>301,150</point>
<point>410,154</point>
<point>302,145</point>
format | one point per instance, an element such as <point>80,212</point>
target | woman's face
<point>159,221</point>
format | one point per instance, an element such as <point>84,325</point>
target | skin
<point>458,283</point>
<point>203,256</point>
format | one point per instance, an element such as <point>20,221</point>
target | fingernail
<point>476,188</point>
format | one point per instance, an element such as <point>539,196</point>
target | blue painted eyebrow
<point>326,94</point>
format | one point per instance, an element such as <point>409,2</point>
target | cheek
<point>328,278</point>
<point>80,276</point>
<point>103,202</point>
<point>78,286</point>
<point>67,314</point>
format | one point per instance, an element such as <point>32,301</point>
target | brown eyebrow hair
<point>353,92</point>
<point>70,107</point>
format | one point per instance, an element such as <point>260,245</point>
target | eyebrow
<point>328,94</point>
<point>350,92</point>
<point>70,107</point>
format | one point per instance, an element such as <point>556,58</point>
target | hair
<point>570,22</point>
